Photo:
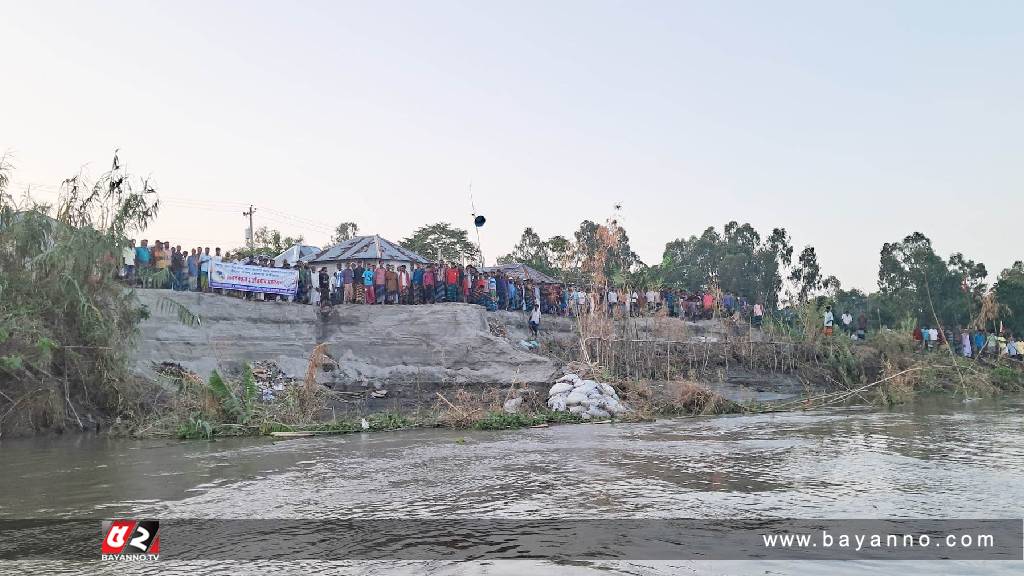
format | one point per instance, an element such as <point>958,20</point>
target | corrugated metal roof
<point>368,248</point>
<point>296,253</point>
<point>521,271</point>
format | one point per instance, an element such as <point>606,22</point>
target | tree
<point>921,285</point>
<point>530,250</point>
<point>806,275</point>
<point>344,231</point>
<point>269,241</point>
<point>1009,289</point>
<point>442,241</point>
<point>554,256</point>
<point>737,260</point>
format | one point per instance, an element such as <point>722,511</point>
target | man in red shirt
<point>428,284</point>
<point>451,278</point>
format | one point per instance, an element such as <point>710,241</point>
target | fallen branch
<point>843,394</point>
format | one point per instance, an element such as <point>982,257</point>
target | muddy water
<point>935,459</point>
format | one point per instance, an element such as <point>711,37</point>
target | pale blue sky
<point>850,124</point>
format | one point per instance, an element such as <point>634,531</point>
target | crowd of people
<point>855,330</point>
<point>971,343</point>
<point>374,282</point>
<point>185,269</point>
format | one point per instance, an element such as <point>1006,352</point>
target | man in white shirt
<point>217,258</point>
<point>204,270</point>
<point>847,321</point>
<point>128,263</point>
<point>613,299</point>
<point>652,300</point>
<point>338,284</point>
<point>830,320</point>
<point>535,320</point>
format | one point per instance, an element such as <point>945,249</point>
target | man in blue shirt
<point>368,285</point>
<point>501,286</point>
<point>417,285</point>
<point>143,257</point>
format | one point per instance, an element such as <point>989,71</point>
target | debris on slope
<point>270,379</point>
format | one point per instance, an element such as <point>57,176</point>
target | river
<point>931,459</point>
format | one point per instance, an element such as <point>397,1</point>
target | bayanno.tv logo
<point>130,540</point>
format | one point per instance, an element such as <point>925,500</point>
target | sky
<point>850,124</point>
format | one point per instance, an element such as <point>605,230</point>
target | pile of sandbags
<point>587,398</point>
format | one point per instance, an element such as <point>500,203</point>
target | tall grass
<point>66,324</point>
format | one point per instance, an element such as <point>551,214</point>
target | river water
<point>932,459</point>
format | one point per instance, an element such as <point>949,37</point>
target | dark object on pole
<point>479,221</point>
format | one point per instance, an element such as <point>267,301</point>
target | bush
<point>64,317</point>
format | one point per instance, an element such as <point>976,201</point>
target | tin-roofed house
<point>364,249</point>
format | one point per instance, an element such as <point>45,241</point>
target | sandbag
<point>569,378</point>
<point>596,412</point>
<point>575,397</point>
<point>557,402</point>
<point>586,386</point>
<point>559,388</point>
<point>607,390</point>
<point>577,409</point>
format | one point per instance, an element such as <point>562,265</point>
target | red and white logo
<point>130,540</point>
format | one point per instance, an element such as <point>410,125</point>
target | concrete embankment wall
<point>373,345</point>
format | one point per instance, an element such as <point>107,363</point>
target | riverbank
<point>248,368</point>
<point>674,368</point>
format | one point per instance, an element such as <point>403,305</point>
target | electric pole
<point>252,232</point>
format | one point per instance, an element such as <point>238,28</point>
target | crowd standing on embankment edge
<point>373,282</point>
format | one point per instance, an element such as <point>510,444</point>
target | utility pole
<point>252,232</point>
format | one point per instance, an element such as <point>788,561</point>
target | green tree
<point>269,241</point>
<point>554,256</point>
<point>738,260</point>
<point>1009,288</point>
<point>344,231</point>
<point>443,241</point>
<point>806,274</point>
<point>532,251</point>
<point>918,281</point>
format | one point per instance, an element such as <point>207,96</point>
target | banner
<point>231,276</point>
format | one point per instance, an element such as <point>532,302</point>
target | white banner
<point>231,276</point>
